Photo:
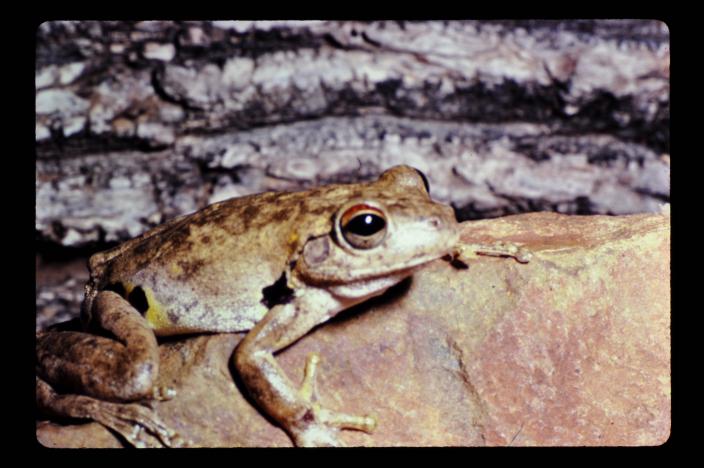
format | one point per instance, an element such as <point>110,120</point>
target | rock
<point>572,348</point>
<point>79,436</point>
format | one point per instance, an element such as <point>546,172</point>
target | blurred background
<point>138,122</point>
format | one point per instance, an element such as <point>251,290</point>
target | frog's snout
<point>436,222</point>
<point>441,222</point>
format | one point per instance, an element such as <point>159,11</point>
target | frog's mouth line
<point>362,276</point>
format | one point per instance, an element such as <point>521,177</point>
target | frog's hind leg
<point>99,376</point>
<point>136,423</point>
<point>120,369</point>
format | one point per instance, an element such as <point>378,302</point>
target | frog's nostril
<point>435,222</point>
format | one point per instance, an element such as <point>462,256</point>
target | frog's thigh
<point>124,369</point>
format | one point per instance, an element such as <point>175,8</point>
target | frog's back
<point>206,271</point>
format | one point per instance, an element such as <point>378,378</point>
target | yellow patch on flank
<point>156,314</point>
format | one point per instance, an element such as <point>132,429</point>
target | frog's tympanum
<point>275,264</point>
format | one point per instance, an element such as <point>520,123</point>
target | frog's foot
<point>319,426</point>
<point>139,425</point>
<point>466,252</point>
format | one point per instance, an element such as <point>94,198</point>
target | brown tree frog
<point>273,264</point>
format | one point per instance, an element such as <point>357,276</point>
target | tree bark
<point>140,122</point>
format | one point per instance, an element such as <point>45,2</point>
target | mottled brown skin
<point>99,374</point>
<point>276,264</point>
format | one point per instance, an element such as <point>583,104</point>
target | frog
<point>273,266</point>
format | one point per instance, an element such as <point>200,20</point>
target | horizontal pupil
<point>365,225</point>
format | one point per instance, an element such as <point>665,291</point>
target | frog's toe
<point>162,393</point>
<point>320,427</point>
<point>347,421</point>
<point>140,438</point>
<point>139,425</point>
<point>468,252</point>
<point>321,423</point>
<point>316,436</point>
<point>307,390</point>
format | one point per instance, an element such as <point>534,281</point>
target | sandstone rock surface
<point>572,348</point>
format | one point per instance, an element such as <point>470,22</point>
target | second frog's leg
<point>98,376</point>
<point>295,409</point>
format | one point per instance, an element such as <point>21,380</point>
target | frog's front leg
<point>465,252</point>
<point>104,378</point>
<point>295,409</point>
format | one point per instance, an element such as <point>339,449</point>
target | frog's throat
<point>361,290</point>
<point>332,275</point>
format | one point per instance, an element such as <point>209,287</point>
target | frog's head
<point>383,229</point>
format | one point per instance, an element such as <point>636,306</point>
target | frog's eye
<point>363,226</point>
